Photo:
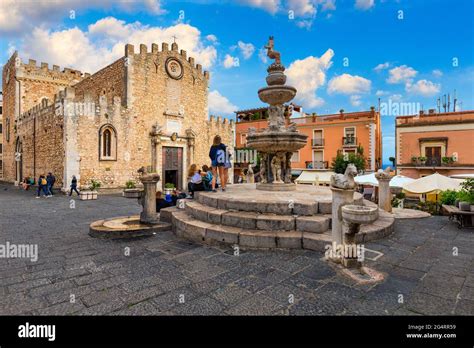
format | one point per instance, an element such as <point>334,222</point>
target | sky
<point>339,54</point>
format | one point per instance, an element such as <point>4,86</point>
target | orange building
<point>327,134</point>
<point>435,142</point>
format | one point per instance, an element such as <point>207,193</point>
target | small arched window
<point>107,143</point>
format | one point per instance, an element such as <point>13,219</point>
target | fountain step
<point>259,221</point>
<point>186,226</point>
<point>304,200</point>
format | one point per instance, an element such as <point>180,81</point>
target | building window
<point>7,133</point>
<point>107,143</point>
<point>243,139</point>
<point>1,149</point>
<point>295,157</point>
<point>1,128</point>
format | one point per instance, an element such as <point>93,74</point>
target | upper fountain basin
<point>276,95</point>
<point>271,142</point>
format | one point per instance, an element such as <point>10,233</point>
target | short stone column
<point>148,214</point>
<point>385,196</point>
<point>340,197</point>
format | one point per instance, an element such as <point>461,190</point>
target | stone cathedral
<point>148,108</point>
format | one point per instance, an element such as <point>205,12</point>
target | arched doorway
<point>19,160</point>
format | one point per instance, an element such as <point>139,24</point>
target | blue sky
<point>340,54</point>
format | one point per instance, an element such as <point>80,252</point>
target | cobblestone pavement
<point>163,275</point>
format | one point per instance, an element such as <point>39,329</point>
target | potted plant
<point>131,190</point>
<point>414,160</point>
<point>446,161</point>
<point>422,160</point>
<point>169,188</point>
<point>92,192</point>
<point>466,195</point>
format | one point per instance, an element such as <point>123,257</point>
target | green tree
<point>339,164</point>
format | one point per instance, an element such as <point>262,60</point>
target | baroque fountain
<point>277,143</point>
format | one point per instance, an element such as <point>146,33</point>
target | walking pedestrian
<point>50,179</point>
<point>42,186</point>
<point>74,185</point>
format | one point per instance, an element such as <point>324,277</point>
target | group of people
<point>205,178</point>
<point>46,185</point>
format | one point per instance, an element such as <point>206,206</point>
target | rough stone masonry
<point>107,125</point>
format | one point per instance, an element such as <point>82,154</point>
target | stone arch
<point>107,143</point>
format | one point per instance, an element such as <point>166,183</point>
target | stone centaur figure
<point>345,181</point>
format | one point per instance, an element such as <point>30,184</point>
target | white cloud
<point>271,6</point>
<point>211,37</point>
<point>382,66</point>
<point>380,93</point>
<point>75,48</point>
<point>262,54</point>
<point>364,4</point>
<point>220,105</point>
<point>349,84</point>
<point>328,5</point>
<point>17,16</point>
<point>437,73</point>
<point>230,62</point>
<point>302,7</point>
<point>307,75</point>
<point>247,49</point>
<point>423,87</point>
<point>401,74</point>
<point>355,100</point>
<point>395,97</point>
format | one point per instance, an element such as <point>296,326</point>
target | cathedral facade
<point>149,108</point>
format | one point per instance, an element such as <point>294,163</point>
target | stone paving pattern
<point>164,275</point>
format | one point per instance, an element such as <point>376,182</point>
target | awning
<point>434,183</point>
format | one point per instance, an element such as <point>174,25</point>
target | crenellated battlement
<point>165,47</point>
<point>220,121</point>
<point>32,69</point>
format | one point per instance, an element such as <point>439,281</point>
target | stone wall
<point>131,95</point>
<point>41,134</point>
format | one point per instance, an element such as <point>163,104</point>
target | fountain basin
<point>276,95</point>
<point>271,142</point>
<point>359,214</point>
<point>124,227</point>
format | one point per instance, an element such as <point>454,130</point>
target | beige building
<point>433,142</point>
<point>149,108</point>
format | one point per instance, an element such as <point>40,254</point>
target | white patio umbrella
<point>434,183</point>
<point>370,179</point>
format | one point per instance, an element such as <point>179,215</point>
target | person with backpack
<point>42,187</point>
<point>219,162</point>
<point>50,179</point>
<point>74,185</point>
<point>207,178</point>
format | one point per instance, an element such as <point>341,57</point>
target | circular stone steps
<point>257,221</point>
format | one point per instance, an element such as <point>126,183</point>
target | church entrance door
<point>173,166</point>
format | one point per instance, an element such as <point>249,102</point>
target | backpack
<point>43,181</point>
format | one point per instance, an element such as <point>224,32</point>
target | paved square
<point>429,262</point>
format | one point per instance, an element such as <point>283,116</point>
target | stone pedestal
<point>340,197</point>
<point>149,215</point>
<point>385,197</point>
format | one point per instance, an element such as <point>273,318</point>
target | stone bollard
<point>340,198</point>
<point>342,187</point>
<point>148,214</point>
<point>385,196</point>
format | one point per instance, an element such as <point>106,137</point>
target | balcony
<point>317,164</point>
<point>317,142</point>
<point>349,141</point>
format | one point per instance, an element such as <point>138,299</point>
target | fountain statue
<point>279,141</point>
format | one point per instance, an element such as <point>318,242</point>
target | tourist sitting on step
<point>206,175</point>
<point>161,202</point>
<point>195,180</point>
